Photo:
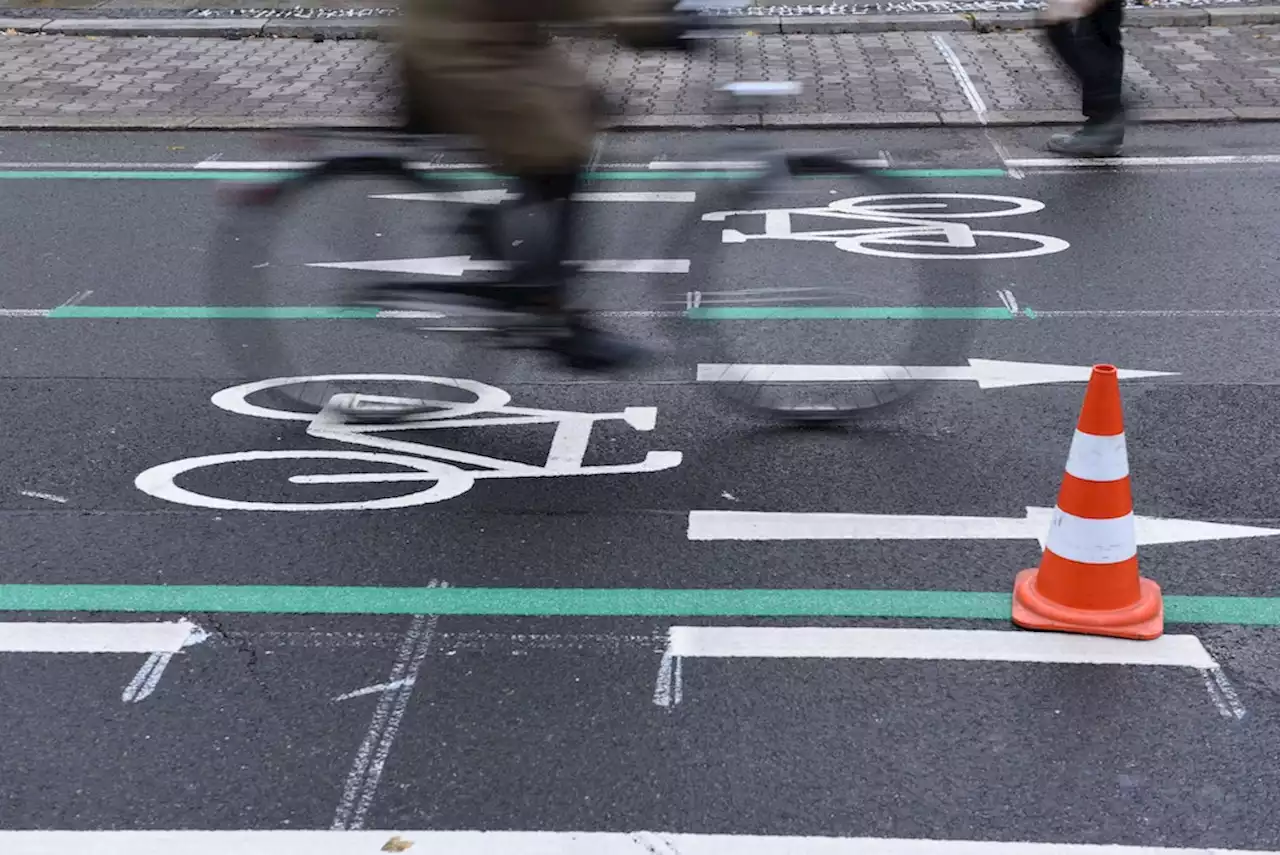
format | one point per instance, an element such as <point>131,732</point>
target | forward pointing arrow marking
<point>753,525</point>
<point>988,373</point>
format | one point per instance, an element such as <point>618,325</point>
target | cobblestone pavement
<point>892,77</point>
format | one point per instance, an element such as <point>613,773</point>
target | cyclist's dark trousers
<point>1091,47</point>
<point>540,264</point>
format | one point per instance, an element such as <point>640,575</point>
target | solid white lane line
<point>537,843</point>
<point>1101,162</point>
<point>717,642</point>
<point>50,637</point>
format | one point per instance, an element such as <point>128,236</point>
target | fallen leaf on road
<point>396,844</point>
<point>10,32</point>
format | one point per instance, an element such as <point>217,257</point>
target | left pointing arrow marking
<point>457,265</point>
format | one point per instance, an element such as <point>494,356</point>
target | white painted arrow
<point>753,525</point>
<point>988,373</point>
<point>493,197</point>
<point>457,265</point>
<point>470,197</point>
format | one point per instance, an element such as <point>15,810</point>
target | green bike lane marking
<point>581,602</point>
<point>460,175</point>
<point>745,313</point>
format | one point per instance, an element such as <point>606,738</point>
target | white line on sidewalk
<point>972,645</point>
<point>965,82</point>
<point>50,637</point>
<point>537,843</point>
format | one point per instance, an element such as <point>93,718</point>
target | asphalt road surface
<point>501,658</point>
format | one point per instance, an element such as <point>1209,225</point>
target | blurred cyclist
<point>486,69</point>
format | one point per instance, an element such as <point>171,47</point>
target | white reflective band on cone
<point>1091,541</point>
<point>1097,458</point>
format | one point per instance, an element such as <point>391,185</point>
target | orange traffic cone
<point>1088,578</point>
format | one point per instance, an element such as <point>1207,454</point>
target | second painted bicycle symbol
<point>909,225</point>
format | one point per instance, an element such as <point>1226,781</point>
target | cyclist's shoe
<point>1095,139</point>
<point>589,349</point>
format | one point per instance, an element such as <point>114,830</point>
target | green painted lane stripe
<point>461,175</point>
<point>264,312</point>
<point>580,602</point>
<point>864,313</point>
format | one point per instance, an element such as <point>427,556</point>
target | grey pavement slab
<point>1173,74</point>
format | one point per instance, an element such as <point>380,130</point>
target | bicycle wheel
<point>446,481</point>
<point>315,266</point>
<point>861,329</point>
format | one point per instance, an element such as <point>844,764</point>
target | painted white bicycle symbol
<point>439,467</point>
<point>923,221</point>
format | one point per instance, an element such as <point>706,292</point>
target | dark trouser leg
<point>1092,48</point>
<point>540,264</point>
<point>544,268</point>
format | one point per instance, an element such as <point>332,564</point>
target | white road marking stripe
<point>371,756</point>
<point>50,637</point>
<point>538,843</point>
<point>691,165</point>
<point>79,165</point>
<point>24,313</point>
<point>493,197</point>
<point>1100,162</point>
<point>1092,541</point>
<point>619,196</point>
<point>966,84</point>
<point>988,373</point>
<point>274,165</point>
<point>1223,694</point>
<point>1158,313</point>
<point>48,497</point>
<point>1097,458</point>
<point>147,678</point>
<point>793,525</point>
<point>722,642</point>
<point>373,690</point>
<point>255,165</point>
